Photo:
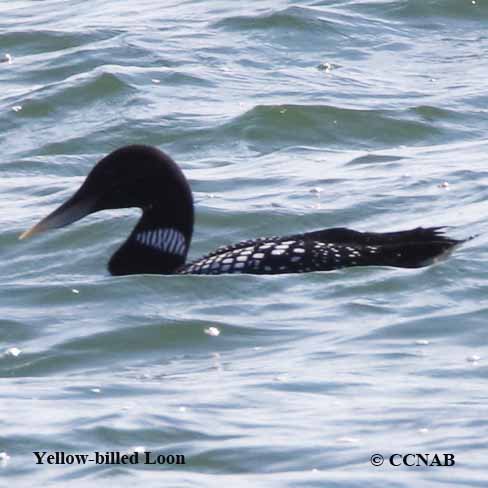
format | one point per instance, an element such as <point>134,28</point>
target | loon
<point>145,177</point>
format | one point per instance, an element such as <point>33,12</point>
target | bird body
<point>324,250</point>
<point>145,177</point>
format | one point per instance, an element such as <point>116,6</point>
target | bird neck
<point>158,244</point>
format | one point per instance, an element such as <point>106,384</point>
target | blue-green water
<point>286,117</point>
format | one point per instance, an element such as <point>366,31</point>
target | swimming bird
<point>147,178</point>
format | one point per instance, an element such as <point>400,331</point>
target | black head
<point>134,176</point>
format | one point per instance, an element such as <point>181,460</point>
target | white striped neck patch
<point>171,241</point>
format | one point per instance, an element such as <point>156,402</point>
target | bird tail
<point>412,248</point>
<point>412,254</point>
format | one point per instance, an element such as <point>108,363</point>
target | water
<point>376,103</point>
